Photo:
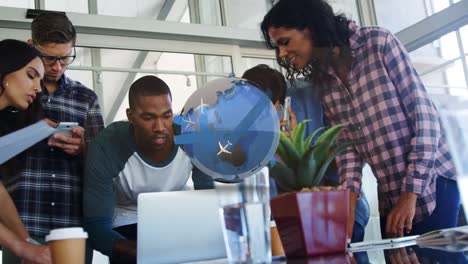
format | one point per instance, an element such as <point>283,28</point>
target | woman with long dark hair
<point>21,72</point>
<point>368,82</point>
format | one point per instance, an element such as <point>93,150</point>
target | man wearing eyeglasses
<point>48,192</point>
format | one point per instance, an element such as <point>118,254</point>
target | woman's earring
<point>6,84</point>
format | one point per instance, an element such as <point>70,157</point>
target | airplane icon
<point>224,149</point>
<point>189,122</point>
<point>201,106</point>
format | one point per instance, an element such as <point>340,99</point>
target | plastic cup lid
<point>66,233</point>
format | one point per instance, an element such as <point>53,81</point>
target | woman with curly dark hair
<point>367,80</point>
<point>21,72</point>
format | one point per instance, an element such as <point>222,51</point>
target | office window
<point>249,62</point>
<point>83,76</point>
<point>144,9</point>
<point>464,33</point>
<point>347,7</point>
<point>397,15</point>
<point>83,57</point>
<point>184,11</point>
<point>237,15</point>
<point>441,65</point>
<point>110,72</point>
<point>249,13</point>
<point>77,6</point>
<point>181,89</point>
<point>17,3</point>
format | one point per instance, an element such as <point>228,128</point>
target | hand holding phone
<point>63,128</point>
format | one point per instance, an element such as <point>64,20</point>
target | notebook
<point>176,227</point>
<point>453,112</point>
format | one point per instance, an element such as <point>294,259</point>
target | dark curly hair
<point>328,30</point>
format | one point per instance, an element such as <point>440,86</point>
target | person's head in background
<point>151,116</point>
<point>54,36</point>
<point>273,84</point>
<point>270,81</point>
<point>308,37</point>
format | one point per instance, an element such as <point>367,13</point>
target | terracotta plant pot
<point>312,223</point>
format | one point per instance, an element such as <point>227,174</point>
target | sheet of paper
<point>383,244</point>
<point>16,142</point>
<point>451,239</point>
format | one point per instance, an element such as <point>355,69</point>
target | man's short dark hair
<point>271,81</point>
<point>147,86</point>
<point>52,27</point>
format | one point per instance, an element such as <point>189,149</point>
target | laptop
<point>180,226</point>
<point>453,111</point>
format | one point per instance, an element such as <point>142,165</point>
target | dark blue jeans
<point>445,214</point>
<point>361,218</point>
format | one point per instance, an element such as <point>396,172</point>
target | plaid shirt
<point>390,114</point>
<point>48,191</point>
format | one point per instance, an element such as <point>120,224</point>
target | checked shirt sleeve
<point>420,112</point>
<point>349,166</point>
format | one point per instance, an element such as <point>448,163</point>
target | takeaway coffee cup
<point>67,245</point>
<point>276,245</point>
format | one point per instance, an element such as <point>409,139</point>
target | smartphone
<point>64,128</point>
<point>287,105</point>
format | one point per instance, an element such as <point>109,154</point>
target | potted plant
<point>311,219</point>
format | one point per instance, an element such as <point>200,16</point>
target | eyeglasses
<point>64,60</point>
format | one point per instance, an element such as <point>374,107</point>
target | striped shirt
<point>390,114</point>
<point>48,191</point>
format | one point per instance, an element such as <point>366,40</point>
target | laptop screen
<point>453,112</point>
<point>179,226</point>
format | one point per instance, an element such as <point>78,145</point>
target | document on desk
<point>383,244</point>
<point>16,142</point>
<point>450,239</point>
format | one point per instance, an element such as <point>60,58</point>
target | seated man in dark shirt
<point>132,157</point>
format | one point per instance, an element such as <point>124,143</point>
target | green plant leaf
<point>328,160</point>
<point>330,134</point>
<point>297,136</point>
<point>304,164</point>
<point>280,151</point>
<point>326,142</point>
<point>307,169</point>
<point>312,136</point>
<point>291,157</point>
<point>284,177</point>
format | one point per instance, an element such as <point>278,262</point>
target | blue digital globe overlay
<point>229,129</point>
